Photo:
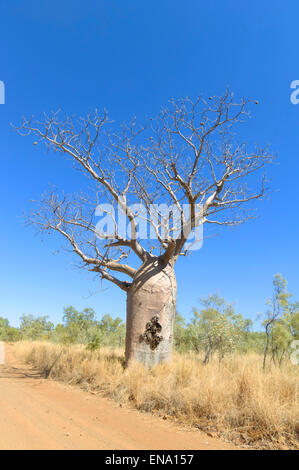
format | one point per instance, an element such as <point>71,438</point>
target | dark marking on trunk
<point>150,335</point>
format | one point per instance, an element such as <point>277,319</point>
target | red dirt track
<point>42,414</point>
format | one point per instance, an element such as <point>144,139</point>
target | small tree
<point>80,327</point>
<point>4,325</point>
<point>180,333</point>
<point>284,331</point>
<point>112,331</point>
<point>277,321</point>
<point>35,327</point>
<point>216,328</point>
<point>185,158</point>
<point>7,332</point>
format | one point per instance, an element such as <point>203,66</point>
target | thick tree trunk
<point>151,308</point>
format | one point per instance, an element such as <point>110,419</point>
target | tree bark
<point>151,308</point>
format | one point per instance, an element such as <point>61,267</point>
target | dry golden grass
<point>235,400</point>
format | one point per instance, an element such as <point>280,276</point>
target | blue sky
<point>132,57</point>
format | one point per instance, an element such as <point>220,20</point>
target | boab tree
<point>187,157</point>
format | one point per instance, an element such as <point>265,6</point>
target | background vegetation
<point>226,379</point>
<point>214,330</point>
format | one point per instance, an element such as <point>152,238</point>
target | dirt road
<point>42,414</point>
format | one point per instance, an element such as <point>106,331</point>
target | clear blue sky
<point>132,57</point>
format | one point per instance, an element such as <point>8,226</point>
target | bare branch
<point>187,157</point>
